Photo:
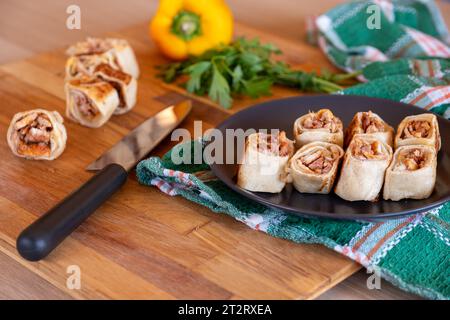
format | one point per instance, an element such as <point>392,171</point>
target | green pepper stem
<point>186,25</point>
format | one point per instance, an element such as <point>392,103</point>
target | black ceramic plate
<point>281,114</point>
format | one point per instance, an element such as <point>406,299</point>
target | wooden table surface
<point>45,30</point>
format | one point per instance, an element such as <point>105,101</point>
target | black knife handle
<point>47,232</point>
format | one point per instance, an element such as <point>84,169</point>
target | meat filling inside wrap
<point>32,135</point>
<point>323,119</point>
<point>84,105</point>
<point>411,160</point>
<point>368,150</point>
<point>320,161</point>
<point>370,123</point>
<point>278,145</point>
<point>417,129</point>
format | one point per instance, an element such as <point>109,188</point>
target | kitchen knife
<point>46,233</point>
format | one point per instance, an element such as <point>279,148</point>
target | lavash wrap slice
<point>412,173</point>
<point>362,174</point>
<point>85,65</point>
<point>120,50</point>
<point>322,125</point>
<point>421,129</point>
<point>372,124</point>
<point>125,85</point>
<point>313,168</point>
<point>38,123</point>
<point>262,168</point>
<point>90,101</point>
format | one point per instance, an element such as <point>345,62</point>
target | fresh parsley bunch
<point>244,67</point>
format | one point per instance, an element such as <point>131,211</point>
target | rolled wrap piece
<point>125,85</point>
<point>362,174</point>
<point>264,162</point>
<point>121,51</point>
<point>37,134</point>
<point>412,173</point>
<point>84,65</point>
<point>90,101</point>
<point>369,123</point>
<point>322,125</point>
<point>313,168</point>
<point>422,129</point>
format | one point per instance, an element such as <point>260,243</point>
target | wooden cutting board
<point>142,243</point>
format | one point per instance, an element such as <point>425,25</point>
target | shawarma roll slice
<point>263,165</point>
<point>120,49</point>
<point>313,168</point>
<point>84,65</point>
<point>412,173</point>
<point>90,101</point>
<point>362,174</point>
<point>37,134</point>
<point>369,123</point>
<point>322,125</point>
<point>125,85</point>
<point>422,129</point>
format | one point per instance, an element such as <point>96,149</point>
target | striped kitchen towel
<point>400,47</point>
<point>421,82</point>
<point>357,33</point>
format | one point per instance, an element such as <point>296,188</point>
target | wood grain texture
<point>141,243</point>
<point>218,265</point>
<point>354,288</point>
<point>18,282</point>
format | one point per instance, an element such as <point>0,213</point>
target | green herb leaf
<point>257,87</point>
<point>169,72</point>
<point>237,78</point>
<point>245,67</point>
<point>196,71</point>
<point>219,90</point>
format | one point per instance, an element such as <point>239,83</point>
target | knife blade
<point>139,142</point>
<point>47,232</point>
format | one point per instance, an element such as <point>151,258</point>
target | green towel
<point>413,253</point>
<point>358,33</point>
<point>404,58</point>
<point>421,82</point>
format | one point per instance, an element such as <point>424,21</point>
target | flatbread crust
<point>58,135</point>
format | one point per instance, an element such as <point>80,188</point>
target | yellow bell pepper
<point>182,28</point>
